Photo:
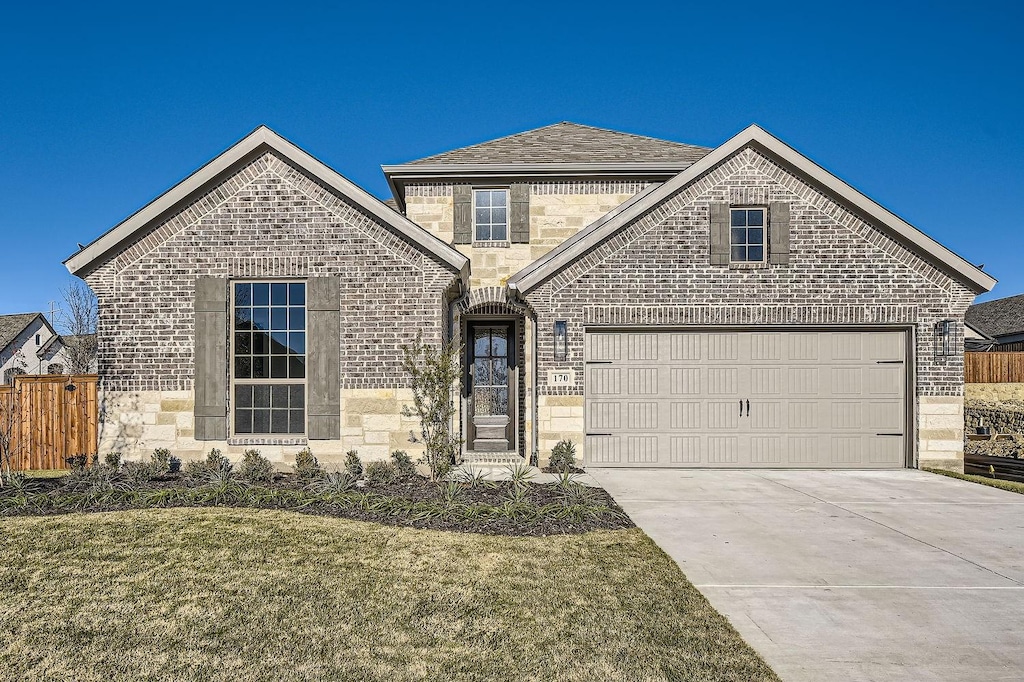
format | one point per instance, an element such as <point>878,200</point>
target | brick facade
<point>842,271</point>
<point>267,220</point>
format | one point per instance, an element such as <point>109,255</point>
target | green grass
<point>47,473</point>
<point>238,595</point>
<point>1011,486</point>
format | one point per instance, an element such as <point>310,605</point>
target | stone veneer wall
<point>558,210</point>
<point>842,271</point>
<point>266,220</point>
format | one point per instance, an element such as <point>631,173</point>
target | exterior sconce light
<point>561,339</point>
<point>944,338</point>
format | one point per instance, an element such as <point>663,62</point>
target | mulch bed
<point>415,489</point>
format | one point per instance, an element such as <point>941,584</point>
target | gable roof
<point>603,228</point>
<point>561,150</point>
<point>1001,317</point>
<point>568,143</point>
<point>263,138</point>
<point>13,325</point>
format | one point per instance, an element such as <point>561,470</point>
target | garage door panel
<point>679,399</point>
<point>723,414</point>
<point>642,380</point>
<point>685,347</point>
<point>602,380</point>
<point>684,380</point>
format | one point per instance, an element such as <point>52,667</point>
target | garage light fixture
<point>944,330</point>
<point>561,339</point>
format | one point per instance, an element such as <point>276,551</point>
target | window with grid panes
<point>268,364</point>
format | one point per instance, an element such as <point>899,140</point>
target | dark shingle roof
<point>12,325</point>
<point>1001,317</point>
<point>567,142</point>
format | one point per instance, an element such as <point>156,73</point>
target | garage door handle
<point>748,408</point>
<point>888,362</point>
<point>741,407</point>
<point>888,434</point>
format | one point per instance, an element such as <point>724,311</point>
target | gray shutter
<point>778,232</point>
<point>323,358</point>
<point>519,213</point>
<point>211,359</point>
<point>463,214</point>
<point>719,233</point>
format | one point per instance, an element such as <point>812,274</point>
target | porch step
<point>496,458</point>
<point>491,432</point>
<point>490,445</point>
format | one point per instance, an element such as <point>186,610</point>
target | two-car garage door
<point>773,399</point>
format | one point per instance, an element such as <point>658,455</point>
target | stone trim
<point>267,441</point>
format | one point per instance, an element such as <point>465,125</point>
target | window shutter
<point>463,214</point>
<point>719,233</point>
<point>323,358</point>
<point>519,213</point>
<point>778,232</point>
<point>211,359</point>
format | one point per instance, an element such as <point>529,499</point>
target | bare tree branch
<point>77,321</point>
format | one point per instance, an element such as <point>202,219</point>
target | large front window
<point>490,215</point>
<point>268,359</point>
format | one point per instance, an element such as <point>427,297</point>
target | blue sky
<point>104,107</point>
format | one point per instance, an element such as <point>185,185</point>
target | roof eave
<point>949,262</point>
<point>85,260</point>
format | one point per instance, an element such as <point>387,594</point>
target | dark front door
<point>490,369</point>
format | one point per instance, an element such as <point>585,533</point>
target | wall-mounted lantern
<point>561,339</point>
<point>944,338</point>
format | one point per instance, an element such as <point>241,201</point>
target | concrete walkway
<point>900,575</point>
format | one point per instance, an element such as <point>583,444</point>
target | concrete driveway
<point>851,575</point>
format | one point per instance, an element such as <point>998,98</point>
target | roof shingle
<point>12,325</point>
<point>567,142</point>
<point>1001,317</point>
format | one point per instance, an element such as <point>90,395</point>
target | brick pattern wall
<point>842,270</point>
<point>268,219</point>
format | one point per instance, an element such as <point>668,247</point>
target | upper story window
<point>39,339</point>
<point>747,235</point>
<point>490,215</point>
<point>268,351</point>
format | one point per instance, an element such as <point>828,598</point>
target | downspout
<point>534,427</point>
<point>451,337</point>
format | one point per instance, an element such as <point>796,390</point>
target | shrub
<point>112,459</point>
<point>404,466</point>
<point>215,467</point>
<point>380,473</point>
<point>255,468</point>
<point>353,465</point>
<point>306,466</point>
<point>563,456</point>
<point>161,458</point>
<point>77,462</point>
<point>332,483</point>
<point>138,474</point>
<point>433,371</point>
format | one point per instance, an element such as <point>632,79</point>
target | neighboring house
<point>659,304</point>
<point>1000,322</point>
<point>29,345</point>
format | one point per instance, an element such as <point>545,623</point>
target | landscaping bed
<point>384,493</point>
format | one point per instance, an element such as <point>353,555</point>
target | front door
<point>490,370</point>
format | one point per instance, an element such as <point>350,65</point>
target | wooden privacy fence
<point>994,368</point>
<point>48,420</point>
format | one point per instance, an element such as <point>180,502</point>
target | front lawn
<point>243,594</point>
<point>1011,486</point>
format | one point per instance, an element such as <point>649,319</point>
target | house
<point>999,323</point>
<point>660,304</point>
<point>29,345</point>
